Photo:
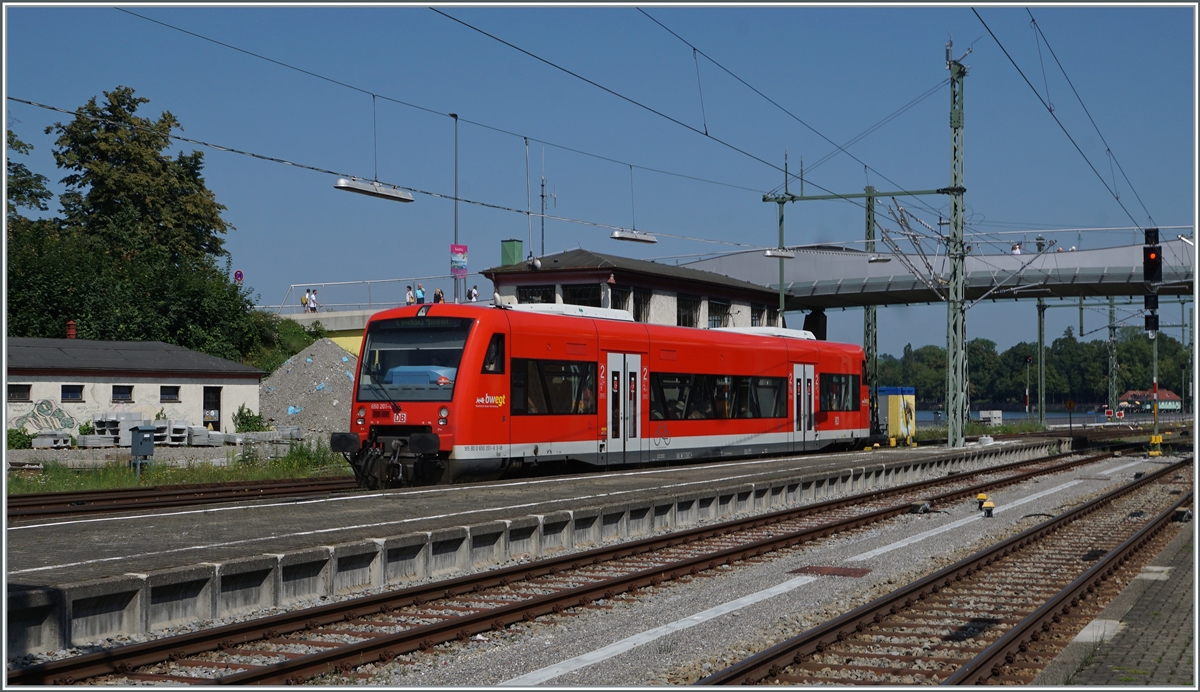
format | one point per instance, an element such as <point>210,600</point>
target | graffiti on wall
<point>46,415</point>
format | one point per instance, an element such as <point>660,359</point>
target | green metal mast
<point>1041,308</point>
<point>957,404</point>
<point>1112,354</point>
<point>871,326</point>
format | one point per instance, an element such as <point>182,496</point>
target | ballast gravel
<point>312,390</point>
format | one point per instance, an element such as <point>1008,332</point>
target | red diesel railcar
<point>444,392</point>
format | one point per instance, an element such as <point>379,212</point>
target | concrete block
<point>686,509</point>
<point>448,551</point>
<point>247,584</point>
<point>777,494</point>
<point>406,557</point>
<point>744,499</point>
<point>585,527</point>
<point>104,607</point>
<point>524,538</point>
<point>726,502</point>
<point>357,566</point>
<point>181,595</point>
<point>706,507</point>
<point>305,575</point>
<point>91,441</point>
<point>639,519</point>
<point>614,522</point>
<point>489,545</point>
<point>761,498</point>
<point>35,621</point>
<point>556,532</point>
<point>663,517</point>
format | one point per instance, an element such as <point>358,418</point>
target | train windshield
<point>412,359</point>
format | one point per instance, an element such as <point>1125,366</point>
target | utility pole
<point>871,326</point>
<point>956,317</point>
<point>1041,308</point>
<point>1112,354</point>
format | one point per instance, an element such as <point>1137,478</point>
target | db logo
<point>443,381</point>
<point>399,417</point>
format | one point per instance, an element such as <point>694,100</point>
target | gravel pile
<point>312,390</point>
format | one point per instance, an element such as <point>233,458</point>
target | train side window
<point>839,392</point>
<point>493,360</point>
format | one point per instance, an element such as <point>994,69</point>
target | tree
<point>126,191</point>
<point>135,256</point>
<point>25,188</point>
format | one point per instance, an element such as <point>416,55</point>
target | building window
<point>718,314</point>
<point>72,393</point>
<point>582,294</point>
<point>620,298</point>
<point>687,311</point>
<point>758,315</point>
<point>641,304</point>
<point>168,394</point>
<point>18,392</point>
<point>773,317</point>
<point>535,294</point>
<point>122,392</point>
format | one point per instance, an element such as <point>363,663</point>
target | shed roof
<point>30,354</point>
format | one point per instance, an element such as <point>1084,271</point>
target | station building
<point>652,292</point>
<point>58,384</point>
<point>1143,400</point>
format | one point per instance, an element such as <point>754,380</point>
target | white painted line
<point>955,524</point>
<point>1119,468</point>
<point>607,652</point>
<point>411,493</point>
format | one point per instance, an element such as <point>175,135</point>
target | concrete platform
<point>71,582</point>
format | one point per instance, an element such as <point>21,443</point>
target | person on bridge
<point>312,301</point>
<point>438,296</point>
<point>409,298</point>
<point>304,300</point>
<point>420,294</point>
<point>1016,249</point>
<point>473,294</point>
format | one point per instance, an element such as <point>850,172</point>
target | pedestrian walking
<point>304,300</point>
<point>438,296</point>
<point>473,294</point>
<point>409,298</point>
<point>420,294</point>
<point>312,301</point>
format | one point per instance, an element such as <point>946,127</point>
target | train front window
<point>412,359</point>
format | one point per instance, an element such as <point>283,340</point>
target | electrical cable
<point>438,195</point>
<point>430,110</point>
<point>1052,115</point>
<point>1107,148</point>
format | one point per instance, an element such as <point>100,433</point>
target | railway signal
<point>1152,258</point>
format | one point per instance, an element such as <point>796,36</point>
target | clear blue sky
<point>840,70</point>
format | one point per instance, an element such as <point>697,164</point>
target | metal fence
<point>371,294</point>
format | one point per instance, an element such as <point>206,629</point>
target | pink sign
<point>458,261</point>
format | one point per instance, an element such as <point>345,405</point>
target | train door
<point>804,433</point>
<point>625,388</point>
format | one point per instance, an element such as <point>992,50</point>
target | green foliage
<point>18,438</point>
<point>287,338</point>
<point>87,429</point>
<point>245,420</point>
<point>135,255</point>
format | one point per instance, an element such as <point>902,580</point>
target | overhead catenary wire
<point>1052,115</point>
<point>1107,148</point>
<point>317,169</point>
<point>432,111</point>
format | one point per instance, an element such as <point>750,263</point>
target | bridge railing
<point>367,294</point>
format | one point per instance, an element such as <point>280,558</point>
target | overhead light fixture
<point>633,236</point>
<point>373,188</point>
<point>879,258</point>
<point>1187,240</point>
<point>779,252</point>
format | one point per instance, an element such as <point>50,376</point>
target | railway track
<point>296,646</point>
<point>997,617</point>
<point>61,504</point>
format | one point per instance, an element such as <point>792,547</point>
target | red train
<point>445,392</point>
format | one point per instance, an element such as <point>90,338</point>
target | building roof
<point>582,260</point>
<point>150,357</point>
<point>1148,395</point>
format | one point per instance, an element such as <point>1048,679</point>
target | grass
<point>976,428</point>
<point>301,461</point>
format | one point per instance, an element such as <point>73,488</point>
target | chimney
<point>71,329</point>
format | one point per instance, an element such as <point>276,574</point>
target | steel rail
<point>90,502</point>
<point>776,659</point>
<point>1008,648</point>
<point>125,659</point>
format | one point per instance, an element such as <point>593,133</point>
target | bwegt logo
<point>490,400</point>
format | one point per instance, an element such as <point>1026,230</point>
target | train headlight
<point>360,421</point>
<point>443,412</point>
<point>362,412</point>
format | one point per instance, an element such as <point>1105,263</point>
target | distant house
<point>1143,400</point>
<point>57,384</point>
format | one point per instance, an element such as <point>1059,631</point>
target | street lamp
<point>373,188</point>
<point>634,236</point>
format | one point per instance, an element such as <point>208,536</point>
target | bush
<point>87,429</point>
<point>18,438</point>
<point>246,420</point>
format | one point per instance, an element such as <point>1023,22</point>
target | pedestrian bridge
<point>823,277</point>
